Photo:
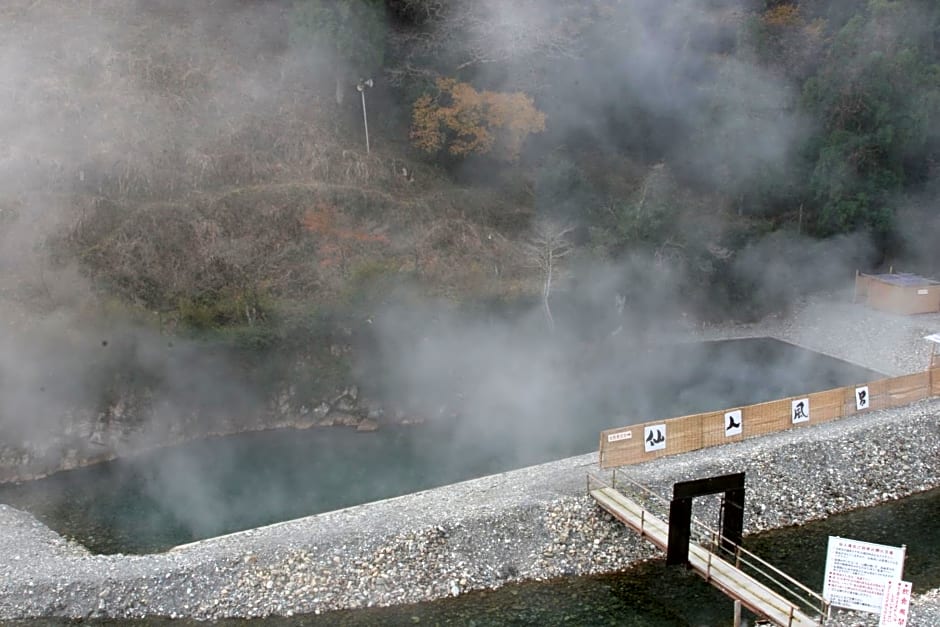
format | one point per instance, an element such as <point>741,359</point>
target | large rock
<point>345,419</point>
<point>367,425</point>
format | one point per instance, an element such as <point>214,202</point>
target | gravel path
<point>533,523</point>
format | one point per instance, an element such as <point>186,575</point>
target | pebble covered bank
<point>530,524</point>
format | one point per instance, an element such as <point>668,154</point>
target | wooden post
<point>365,120</point>
<point>930,380</point>
<point>737,613</point>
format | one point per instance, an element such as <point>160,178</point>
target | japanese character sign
<point>734,424</point>
<point>862,400</point>
<point>799,410</point>
<point>896,606</point>
<point>654,438</point>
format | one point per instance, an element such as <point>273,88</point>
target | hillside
<point>192,225</point>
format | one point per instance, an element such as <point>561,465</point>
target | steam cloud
<point>515,380</point>
<point>81,92</point>
<point>85,107</point>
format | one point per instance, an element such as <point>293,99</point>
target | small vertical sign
<point>896,607</point>
<point>654,438</point>
<point>799,410</point>
<point>862,400</point>
<point>734,424</point>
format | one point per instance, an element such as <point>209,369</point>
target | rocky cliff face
<point>136,422</point>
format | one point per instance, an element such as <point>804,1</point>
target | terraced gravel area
<point>530,524</point>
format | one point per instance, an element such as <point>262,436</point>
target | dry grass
<point>190,149</point>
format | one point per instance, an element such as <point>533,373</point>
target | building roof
<point>904,279</point>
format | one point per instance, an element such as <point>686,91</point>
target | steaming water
<point>206,488</point>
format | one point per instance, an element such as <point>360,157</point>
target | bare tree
<point>547,246</point>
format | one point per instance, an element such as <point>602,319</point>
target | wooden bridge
<point>777,596</point>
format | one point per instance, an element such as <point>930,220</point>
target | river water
<point>651,594</point>
<point>206,488</point>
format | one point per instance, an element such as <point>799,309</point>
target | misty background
<point>194,239</point>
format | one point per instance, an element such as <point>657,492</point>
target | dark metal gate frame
<point>731,529</point>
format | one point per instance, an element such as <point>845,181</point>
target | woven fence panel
<point>620,447</point>
<point>766,417</point>
<point>848,402</point>
<point>714,429</point>
<point>626,445</point>
<point>826,406</point>
<point>878,394</point>
<point>907,389</point>
<point>684,434</point>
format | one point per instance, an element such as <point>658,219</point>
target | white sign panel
<point>616,437</point>
<point>799,409</point>
<point>857,573</point>
<point>923,292</point>
<point>734,424</point>
<point>896,607</point>
<point>862,399</point>
<point>654,438</point>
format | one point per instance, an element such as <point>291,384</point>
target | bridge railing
<point>796,593</point>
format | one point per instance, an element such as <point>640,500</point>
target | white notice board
<point>857,573</point>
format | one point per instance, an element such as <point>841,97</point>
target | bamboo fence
<point>628,445</point>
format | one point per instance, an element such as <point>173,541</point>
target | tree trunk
<point>547,291</point>
<point>340,90</point>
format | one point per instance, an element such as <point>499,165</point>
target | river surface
<point>157,500</point>
<point>649,595</point>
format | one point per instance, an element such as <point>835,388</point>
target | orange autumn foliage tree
<point>788,17</point>
<point>465,121</point>
<point>338,241</point>
<point>782,16</point>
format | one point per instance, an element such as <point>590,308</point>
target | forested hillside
<point>200,171</point>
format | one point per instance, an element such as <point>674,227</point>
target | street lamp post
<point>361,86</point>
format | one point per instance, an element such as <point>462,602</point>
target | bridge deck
<point>723,575</point>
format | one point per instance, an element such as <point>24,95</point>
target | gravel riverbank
<point>533,523</point>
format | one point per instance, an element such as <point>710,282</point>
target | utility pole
<point>361,86</point>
